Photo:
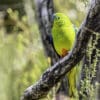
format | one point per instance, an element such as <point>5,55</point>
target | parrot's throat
<point>64,52</point>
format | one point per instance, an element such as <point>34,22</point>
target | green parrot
<point>63,35</point>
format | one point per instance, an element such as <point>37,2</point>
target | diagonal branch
<point>55,73</point>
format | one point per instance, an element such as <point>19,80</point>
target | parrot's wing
<point>50,40</point>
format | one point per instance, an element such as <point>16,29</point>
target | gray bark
<point>44,11</point>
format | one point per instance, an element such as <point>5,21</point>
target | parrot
<point>63,36</point>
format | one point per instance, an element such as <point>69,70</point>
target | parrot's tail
<point>70,84</point>
<point>74,77</point>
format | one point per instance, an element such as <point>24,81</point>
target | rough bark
<point>55,73</point>
<point>91,70</point>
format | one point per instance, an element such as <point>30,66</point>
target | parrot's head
<point>60,19</point>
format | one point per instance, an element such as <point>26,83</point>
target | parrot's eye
<point>58,18</point>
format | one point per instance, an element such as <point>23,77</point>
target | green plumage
<point>63,34</point>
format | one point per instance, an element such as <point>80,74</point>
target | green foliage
<point>22,59</point>
<point>85,1</point>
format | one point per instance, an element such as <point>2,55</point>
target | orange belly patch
<point>64,52</point>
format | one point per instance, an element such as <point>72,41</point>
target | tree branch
<point>55,73</point>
